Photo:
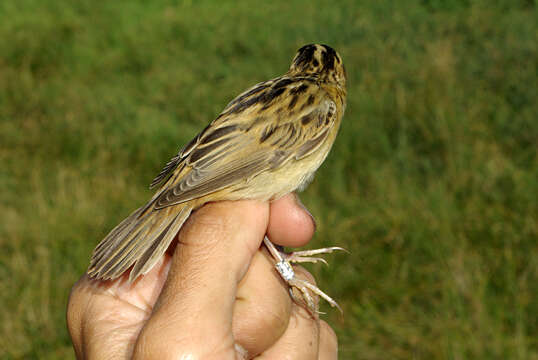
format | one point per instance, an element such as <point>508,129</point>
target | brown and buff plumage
<point>267,142</point>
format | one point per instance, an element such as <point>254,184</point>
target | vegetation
<point>432,184</point>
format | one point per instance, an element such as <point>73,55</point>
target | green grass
<point>432,183</point>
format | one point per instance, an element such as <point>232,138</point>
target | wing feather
<point>232,150</point>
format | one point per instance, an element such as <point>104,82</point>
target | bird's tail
<point>140,240</point>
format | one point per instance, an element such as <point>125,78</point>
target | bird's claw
<point>284,268</point>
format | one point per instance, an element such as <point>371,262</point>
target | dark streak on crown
<point>306,53</point>
<point>329,55</point>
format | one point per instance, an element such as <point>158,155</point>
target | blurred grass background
<point>432,183</point>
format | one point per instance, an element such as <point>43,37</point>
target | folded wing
<point>231,149</point>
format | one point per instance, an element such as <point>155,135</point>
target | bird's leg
<point>285,270</point>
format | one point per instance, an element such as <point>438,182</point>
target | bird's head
<point>319,60</point>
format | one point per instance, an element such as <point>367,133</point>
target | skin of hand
<point>216,296</point>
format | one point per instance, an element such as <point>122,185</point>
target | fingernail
<point>241,351</point>
<point>301,205</point>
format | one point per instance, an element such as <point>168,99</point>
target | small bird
<point>266,143</point>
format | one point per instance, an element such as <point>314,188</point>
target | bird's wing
<point>243,99</point>
<point>246,140</point>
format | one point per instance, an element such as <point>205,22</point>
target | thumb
<point>193,314</point>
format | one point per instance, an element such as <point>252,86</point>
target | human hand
<point>217,296</point>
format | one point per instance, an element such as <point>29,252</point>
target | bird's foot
<point>306,255</point>
<point>285,270</point>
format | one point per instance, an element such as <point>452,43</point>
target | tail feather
<point>127,222</point>
<point>140,240</point>
<point>120,243</point>
<point>159,245</point>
